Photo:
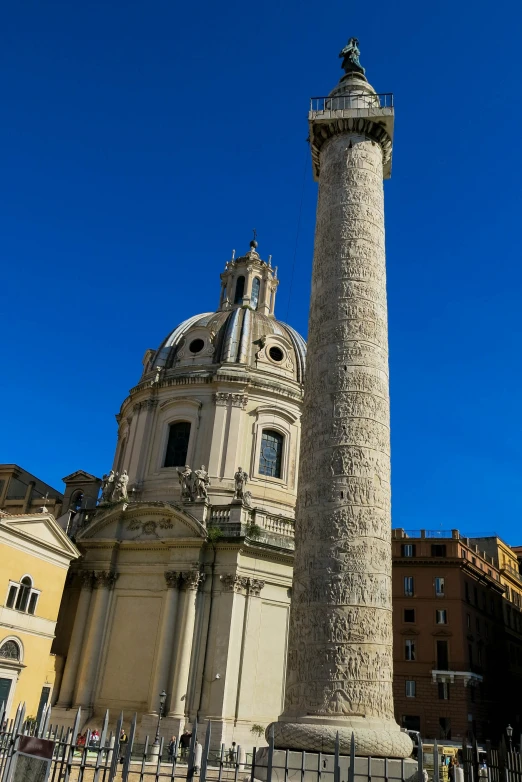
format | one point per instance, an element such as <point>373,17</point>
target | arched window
<point>23,594</point>
<point>254,299</point>
<point>177,446</point>
<point>271,453</point>
<point>76,501</point>
<point>240,289</point>
<point>10,651</point>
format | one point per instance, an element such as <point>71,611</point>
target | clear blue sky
<point>142,141</point>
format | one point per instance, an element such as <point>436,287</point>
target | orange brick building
<point>452,671</point>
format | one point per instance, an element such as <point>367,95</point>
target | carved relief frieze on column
<point>234,583</point>
<point>172,577</point>
<point>255,586</point>
<point>191,579</point>
<point>104,578</point>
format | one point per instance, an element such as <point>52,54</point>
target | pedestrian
<point>124,740</point>
<point>451,770</point>
<point>232,754</point>
<point>184,743</point>
<point>172,749</point>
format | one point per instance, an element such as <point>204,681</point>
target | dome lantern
<point>249,281</point>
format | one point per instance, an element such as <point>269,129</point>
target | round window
<point>276,354</point>
<point>196,345</point>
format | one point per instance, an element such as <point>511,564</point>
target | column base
<point>381,769</point>
<point>378,740</point>
<point>66,715</point>
<point>171,725</point>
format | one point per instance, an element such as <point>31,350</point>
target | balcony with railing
<point>353,102</point>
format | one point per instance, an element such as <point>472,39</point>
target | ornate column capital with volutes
<point>104,578</point>
<point>255,585</point>
<point>172,578</point>
<point>191,579</point>
<point>234,583</point>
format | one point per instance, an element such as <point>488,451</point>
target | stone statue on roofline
<point>107,487</point>
<point>201,481</point>
<point>185,481</point>
<point>120,490</point>
<point>240,480</point>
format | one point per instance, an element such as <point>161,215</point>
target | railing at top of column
<point>354,100</point>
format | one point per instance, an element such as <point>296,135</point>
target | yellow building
<point>34,559</point>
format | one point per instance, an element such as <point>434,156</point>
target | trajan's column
<point>340,664</point>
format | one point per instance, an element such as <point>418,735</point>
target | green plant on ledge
<point>254,531</point>
<point>257,730</point>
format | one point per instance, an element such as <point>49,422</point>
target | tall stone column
<point>190,581</point>
<point>76,643</point>
<point>166,639</point>
<point>340,662</point>
<point>103,584</point>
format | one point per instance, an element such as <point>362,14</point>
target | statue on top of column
<point>350,55</point>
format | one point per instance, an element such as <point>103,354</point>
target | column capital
<point>86,579</point>
<point>234,583</point>
<point>191,579</point>
<point>255,586</point>
<point>172,578</point>
<point>105,578</point>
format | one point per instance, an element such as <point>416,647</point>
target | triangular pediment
<point>80,476</point>
<point>143,522</point>
<point>42,530</point>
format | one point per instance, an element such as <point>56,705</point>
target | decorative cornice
<point>321,132</point>
<point>105,578</point>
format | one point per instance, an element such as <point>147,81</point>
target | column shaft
<point>181,667</point>
<point>91,653</point>
<point>76,642</point>
<point>166,648</point>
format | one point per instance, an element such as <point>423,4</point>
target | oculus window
<point>271,453</point>
<point>177,445</point>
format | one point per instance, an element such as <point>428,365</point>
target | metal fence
<point>118,756</point>
<point>352,100</point>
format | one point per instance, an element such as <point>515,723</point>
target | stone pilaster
<point>340,662</point>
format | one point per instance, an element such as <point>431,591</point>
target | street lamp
<point>162,699</point>
<point>509,731</point>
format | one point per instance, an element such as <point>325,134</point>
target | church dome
<point>242,333</point>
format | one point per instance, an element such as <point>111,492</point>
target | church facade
<point>185,581</point>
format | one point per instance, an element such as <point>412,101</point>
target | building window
<point>408,550</point>
<point>464,554</point>
<point>441,617</point>
<point>240,290</point>
<point>439,587</point>
<point>22,596</point>
<point>177,446</point>
<point>409,650</point>
<point>468,621</point>
<point>410,689</point>
<point>271,453</point>
<point>10,651</point>
<point>479,655</point>
<point>438,550</point>
<point>445,728</point>
<point>444,691</point>
<point>470,655</point>
<point>442,656</point>
<point>254,298</point>
<point>466,590</point>
<point>477,624</point>
<point>76,501</point>
<point>409,615</point>
<point>408,586</point>
<point>475,595</point>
